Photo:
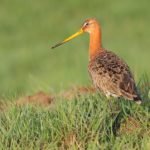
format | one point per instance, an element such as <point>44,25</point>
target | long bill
<point>69,38</point>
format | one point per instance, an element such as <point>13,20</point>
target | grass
<point>27,31</point>
<point>86,122</point>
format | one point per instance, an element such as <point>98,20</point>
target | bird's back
<point>112,76</point>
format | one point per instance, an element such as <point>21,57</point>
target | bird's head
<point>89,26</point>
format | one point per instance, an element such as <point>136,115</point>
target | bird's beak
<point>69,38</point>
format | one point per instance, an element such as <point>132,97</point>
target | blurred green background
<point>28,28</point>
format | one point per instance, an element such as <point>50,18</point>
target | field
<point>27,31</point>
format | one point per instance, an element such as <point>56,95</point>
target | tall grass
<point>83,123</point>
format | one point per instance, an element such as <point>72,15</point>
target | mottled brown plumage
<point>110,74</point>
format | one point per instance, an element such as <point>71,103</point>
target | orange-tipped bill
<point>69,38</point>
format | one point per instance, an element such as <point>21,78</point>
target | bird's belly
<point>104,84</point>
<point>105,87</point>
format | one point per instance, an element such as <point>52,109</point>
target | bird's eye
<point>86,24</point>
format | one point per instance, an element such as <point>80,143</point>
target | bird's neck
<point>95,43</point>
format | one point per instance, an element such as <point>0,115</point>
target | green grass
<point>86,122</point>
<point>27,31</point>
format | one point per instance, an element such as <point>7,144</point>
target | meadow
<point>28,29</point>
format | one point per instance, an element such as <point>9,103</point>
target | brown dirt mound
<point>40,98</point>
<point>43,99</point>
<point>130,126</point>
<point>77,91</point>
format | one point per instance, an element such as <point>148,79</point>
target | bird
<point>110,74</point>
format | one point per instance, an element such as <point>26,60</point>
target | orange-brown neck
<point>95,42</point>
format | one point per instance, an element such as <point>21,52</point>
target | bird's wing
<point>113,75</point>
